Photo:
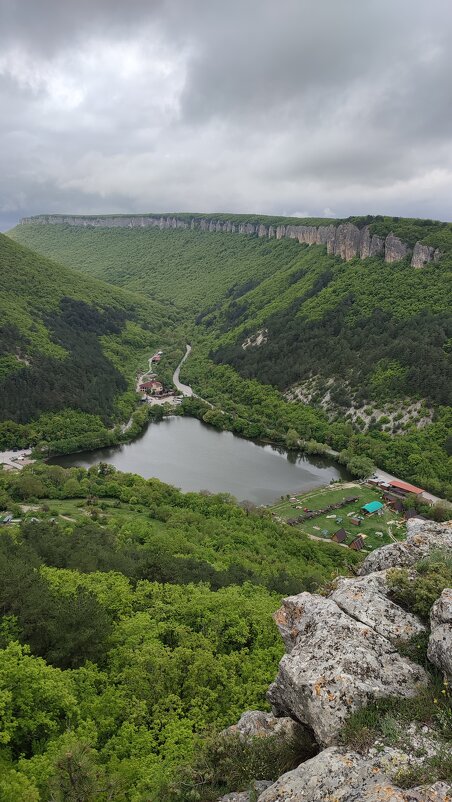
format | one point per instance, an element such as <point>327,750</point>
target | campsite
<point>377,525</point>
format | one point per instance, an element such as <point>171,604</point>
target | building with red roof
<point>152,387</point>
<point>403,488</point>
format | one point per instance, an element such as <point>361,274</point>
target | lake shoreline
<point>189,453</point>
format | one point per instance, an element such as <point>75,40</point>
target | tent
<point>372,506</point>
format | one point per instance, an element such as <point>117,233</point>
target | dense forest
<point>189,268</point>
<point>135,624</point>
<point>69,346</point>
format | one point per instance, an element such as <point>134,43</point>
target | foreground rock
<point>257,724</point>
<point>366,600</point>
<point>336,775</point>
<point>335,665</point>
<point>440,643</point>
<point>245,796</point>
<point>423,538</point>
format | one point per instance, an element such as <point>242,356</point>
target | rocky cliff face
<point>422,254</point>
<point>345,240</point>
<point>343,652</point>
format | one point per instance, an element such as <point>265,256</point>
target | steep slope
<point>361,673</point>
<point>191,268</point>
<point>128,635</point>
<point>169,255</point>
<point>67,341</point>
<point>380,330</point>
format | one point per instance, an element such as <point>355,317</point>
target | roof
<point>150,385</point>
<point>357,543</point>
<point>405,486</point>
<point>372,506</point>
<point>339,536</point>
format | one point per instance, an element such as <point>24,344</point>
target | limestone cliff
<point>344,240</point>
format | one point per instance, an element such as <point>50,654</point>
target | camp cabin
<point>340,536</point>
<point>357,544</point>
<point>402,489</point>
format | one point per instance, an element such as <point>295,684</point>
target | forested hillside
<point>383,330</point>
<point>365,343</point>
<point>190,268</point>
<point>118,662</point>
<point>68,344</point>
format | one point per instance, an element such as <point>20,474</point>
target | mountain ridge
<point>345,239</point>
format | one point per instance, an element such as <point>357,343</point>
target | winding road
<point>185,389</point>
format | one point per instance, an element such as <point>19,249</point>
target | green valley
<point>353,355</point>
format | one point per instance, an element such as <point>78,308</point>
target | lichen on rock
<point>336,775</point>
<point>423,538</point>
<point>259,724</point>
<point>335,664</point>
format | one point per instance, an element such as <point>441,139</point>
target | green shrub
<point>229,763</point>
<point>418,592</point>
<point>388,718</point>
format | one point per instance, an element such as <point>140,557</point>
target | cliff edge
<point>345,240</point>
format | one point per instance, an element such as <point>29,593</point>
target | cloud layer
<point>299,107</point>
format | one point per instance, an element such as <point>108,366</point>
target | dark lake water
<point>192,456</point>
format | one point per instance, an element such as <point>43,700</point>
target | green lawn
<point>389,523</point>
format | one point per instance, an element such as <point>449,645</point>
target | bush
<point>229,763</point>
<point>419,592</point>
<point>390,717</point>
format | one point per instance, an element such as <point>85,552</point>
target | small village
<point>360,516</point>
<point>151,389</point>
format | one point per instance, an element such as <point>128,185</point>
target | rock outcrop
<point>423,537</point>
<point>422,254</point>
<point>257,724</point>
<point>395,249</point>
<point>244,796</point>
<point>342,654</point>
<point>334,665</point>
<point>336,775</point>
<point>440,642</point>
<point>366,600</point>
<point>345,240</point>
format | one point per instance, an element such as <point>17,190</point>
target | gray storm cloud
<point>290,107</point>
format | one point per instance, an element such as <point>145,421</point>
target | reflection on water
<point>188,454</point>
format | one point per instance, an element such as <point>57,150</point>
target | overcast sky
<point>298,107</point>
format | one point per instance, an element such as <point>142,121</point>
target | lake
<point>186,453</point>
